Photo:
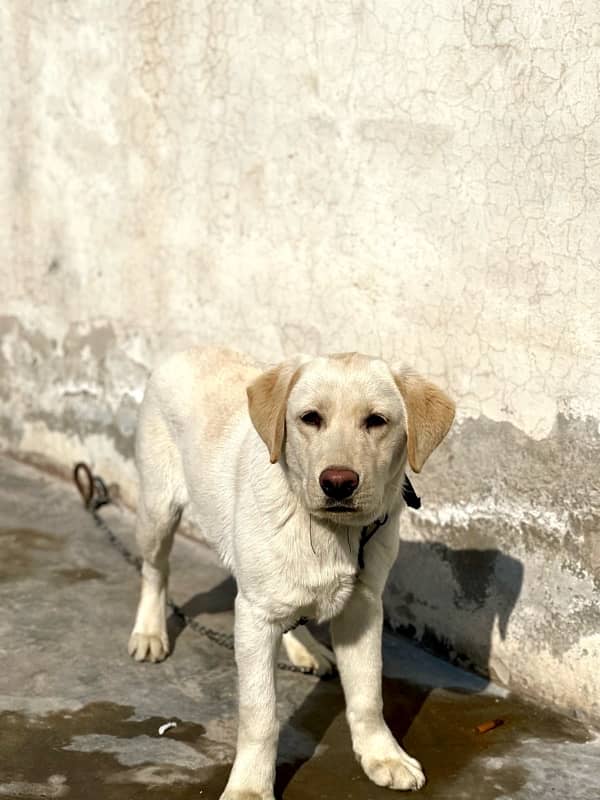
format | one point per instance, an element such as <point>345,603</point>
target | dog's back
<point>194,411</point>
<point>204,387</point>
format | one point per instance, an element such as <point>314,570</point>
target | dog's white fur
<point>217,432</point>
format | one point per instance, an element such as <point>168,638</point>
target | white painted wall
<point>414,180</point>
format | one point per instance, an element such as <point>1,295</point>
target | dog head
<point>345,425</point>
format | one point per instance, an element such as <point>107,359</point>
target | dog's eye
<point>375,421</point>
<point>312,418</point>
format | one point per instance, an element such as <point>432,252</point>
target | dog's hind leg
<point>161,503</point>
<point>154,532</point>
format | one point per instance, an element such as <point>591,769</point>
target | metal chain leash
<point>95,494</point>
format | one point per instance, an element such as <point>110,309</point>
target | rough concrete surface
<point>417,180</point>
<point>80,719</point>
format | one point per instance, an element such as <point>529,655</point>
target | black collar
<point>367,532</point>
<point>409,495</point>
<point>410,498</point>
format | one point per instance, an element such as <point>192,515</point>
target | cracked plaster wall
<point>417,180</point>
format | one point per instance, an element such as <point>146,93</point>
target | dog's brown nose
<point>338,482</point>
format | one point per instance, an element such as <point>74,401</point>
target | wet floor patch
<point>70,575</point>
<point>438,728</point>
<point>64,754</point>
<point>25,552</point>
<point>102,752</point>
<point>22,550</point>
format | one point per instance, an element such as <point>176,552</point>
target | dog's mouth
<point>342,514</point>
<point>339,509</point>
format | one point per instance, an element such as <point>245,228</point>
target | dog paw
<point>244,794</point>
<point>148,646</point>
<point>397,772</point>
<point>311,655</point>
<point>319,662</point>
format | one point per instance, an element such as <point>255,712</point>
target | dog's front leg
<point>357,643</point>
<point>256,646</point>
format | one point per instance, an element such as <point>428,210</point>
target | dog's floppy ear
<point>430,413</point>
<point>267,404</point>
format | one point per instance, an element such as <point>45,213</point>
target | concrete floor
<point>80,719</point>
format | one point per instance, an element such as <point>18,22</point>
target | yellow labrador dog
<point>297,473</point>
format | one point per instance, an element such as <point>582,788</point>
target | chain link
<point>95,494</point>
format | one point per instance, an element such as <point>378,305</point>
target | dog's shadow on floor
<point>218,600</point>
<point>317,737</point>
<point>318,724</point>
